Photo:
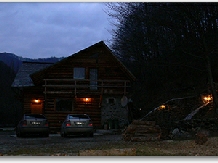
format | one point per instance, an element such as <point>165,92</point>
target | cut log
<point>131,128</point>
<point>142,131</point>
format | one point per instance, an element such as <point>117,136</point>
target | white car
<point>32,124</point>
<point>75,124</point>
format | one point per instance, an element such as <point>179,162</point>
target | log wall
<point>80,107</point>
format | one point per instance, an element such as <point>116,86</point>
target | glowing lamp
<point>162,107</point>
<point>36,101</point>
<point>87,100</point>
<point>207,98</point>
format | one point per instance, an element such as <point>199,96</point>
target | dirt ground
<point>55,145</point>
<point>182,148</point>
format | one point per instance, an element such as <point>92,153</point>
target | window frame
<point>93,74</point>
<point>64,99</point>
<point>77,74</point>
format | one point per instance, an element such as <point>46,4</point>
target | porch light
<point>36,101</point>
<point>87,100</point>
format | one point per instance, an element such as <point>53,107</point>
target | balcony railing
<point>70,86</point>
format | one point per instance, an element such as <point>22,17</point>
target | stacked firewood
<point>139,131</point>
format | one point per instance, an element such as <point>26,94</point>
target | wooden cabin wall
<point>29,95</point>
<point>91,108</point>
<point>98,57</point>
<point>55,118</point>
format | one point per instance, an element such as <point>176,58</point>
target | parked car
<point>75,124</point>
<point>32,124</point>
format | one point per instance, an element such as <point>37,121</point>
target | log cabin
<point>92,81</point>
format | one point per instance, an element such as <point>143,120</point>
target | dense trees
<point>10,107</point>
<point>170,47</point>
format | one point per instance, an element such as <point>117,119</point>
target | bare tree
<point>147,32</point>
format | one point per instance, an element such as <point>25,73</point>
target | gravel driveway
<point>54,145</point>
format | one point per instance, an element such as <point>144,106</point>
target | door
<point>36,109</point>
<point>36,106</point>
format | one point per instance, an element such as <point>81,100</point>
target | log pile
<point>139,131</point>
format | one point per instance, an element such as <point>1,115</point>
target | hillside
<point>14,62</point>
<point>11,60</point>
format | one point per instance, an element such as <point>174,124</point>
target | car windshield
<point>34,116</point>
<point>78,116</point>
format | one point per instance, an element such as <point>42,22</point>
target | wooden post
<point>125,88</point>
<point>45,101</point>
<point>75,88</point>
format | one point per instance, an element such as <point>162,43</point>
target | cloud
<point>39,30</point>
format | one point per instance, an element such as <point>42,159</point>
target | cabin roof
<point>121,64</point>
<point>22,78</point>
<point>42,73</point>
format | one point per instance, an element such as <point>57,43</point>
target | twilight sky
<point>40,30</point>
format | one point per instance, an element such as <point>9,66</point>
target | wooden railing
<point>69,86</point>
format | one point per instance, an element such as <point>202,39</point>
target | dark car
<point>75,124</point>
<point>32,124</point>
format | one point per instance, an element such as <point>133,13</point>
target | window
<point>34,116</point>
<point>93,73</point>
<point>78,116</point>
<point>64,104</point>
<point>79,73</point>
<point>111,100</point>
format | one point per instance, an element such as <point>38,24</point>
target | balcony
<point>85,86</point>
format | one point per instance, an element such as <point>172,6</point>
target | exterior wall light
<point>87,100</point>
<point>36,101</point>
